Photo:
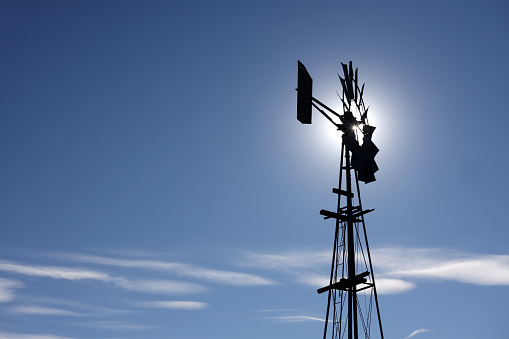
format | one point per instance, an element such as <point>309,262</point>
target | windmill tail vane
<point>352,298</point>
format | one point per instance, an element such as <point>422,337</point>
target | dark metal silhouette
<point>351,288</point>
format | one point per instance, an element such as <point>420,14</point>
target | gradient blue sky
<point>155,182</point>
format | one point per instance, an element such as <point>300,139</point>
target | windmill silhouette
<point>351,290</point>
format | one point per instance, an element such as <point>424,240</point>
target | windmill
<point>351,289</point>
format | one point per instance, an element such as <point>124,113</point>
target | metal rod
<point>343,256</point>
<point>369,259</point>
<point>324,114</point>
<point>352,304</point>
<point>331,279</point>
<point>333,265</point>
<point>325,106</point>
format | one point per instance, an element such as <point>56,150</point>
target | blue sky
<point>155,182</point>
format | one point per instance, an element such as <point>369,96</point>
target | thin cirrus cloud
<point>393,286</point>
<point>15,335</point>
<point>217,276</point>
<point>177,305</point>
<point>82,308</point>
<point>421,330</point>
<point>65,273</point>
<point>288,260</point>
<point>160,286</point>
<point>39,310</point>
<point>53,271</point>
<point>297,318</point>
<point>7,287</point>
<point>115,325</point>
<point>441,264</point>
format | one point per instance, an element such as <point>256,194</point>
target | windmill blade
<point>343,83</point>
<point>347,82</point>
<point>364,116</point>
<point>356,82</point>
<point>347,88</point>
<point>340,98</point>
<point>361,100</point>
<point>345,70</point>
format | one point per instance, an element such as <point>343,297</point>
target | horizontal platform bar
<point>362,213</point>
<point>329,214</point>
<point>339,216</point>
<point>344,283</point>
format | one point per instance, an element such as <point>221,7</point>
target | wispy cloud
<point>297,318</point>
<point>311,279</point>
<point>160,286</point>
<point>13,335</point>
<point>53,271</point>
<point>440,264</point>
<point>82,308</point>
<point>422,330</point>
<point>393,286</point>
<point>178,305</point>
<point>288,260</point>
<point>7,287</point>
<point>58,272</point>
<point>217,276</point>
<point>115,325</point>
<point>39,310</point>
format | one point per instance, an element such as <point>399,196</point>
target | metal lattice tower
<point>352,295</point>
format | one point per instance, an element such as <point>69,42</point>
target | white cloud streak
<point>160,286</point>
<point>297,318</point>
<point>13,335</point>
<point>217,276</point>
<point>440,264</point>
<point>316,280</point>
<point>6,289</point>
<point>279,310</point>
<point>177,305</point>
<point>289,260</point>
<point>422,330</point>
<point>86,309</point>
<point>116,325</point>
<point>393,286</point>
<point>65,273</point>
<point>39,310</point>
<point>54,272</point>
